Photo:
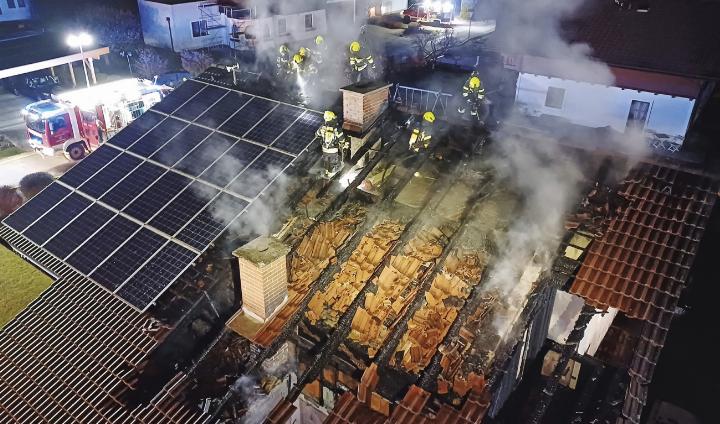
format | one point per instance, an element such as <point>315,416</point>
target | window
<point>555,97</point>
<point>266,32</point>
<point>637,115</point>
<point>21,3</point>
<point>309,22</point>
<point>11,4</point>
<point>199,28</point>
<point>282,26</point>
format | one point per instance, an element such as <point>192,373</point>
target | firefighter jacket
<point>332,138</point>
<point>420,137</point>
<point>359,64</point>
<point>472,94</point>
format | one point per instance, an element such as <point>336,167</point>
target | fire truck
<point>429,11</point>
<point>75,123</point>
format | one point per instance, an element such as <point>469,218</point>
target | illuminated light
<point>383,10</point>
<point>348,177</point>
<point>79,40</point>
<point>437,6</point>
<point>448,7</point>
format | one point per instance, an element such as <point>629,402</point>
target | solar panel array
<point>137,212</point>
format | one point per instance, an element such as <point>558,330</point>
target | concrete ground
<point>11,122</point>
<point>12,169</point>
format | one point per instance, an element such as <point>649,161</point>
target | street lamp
<point>79,41</point>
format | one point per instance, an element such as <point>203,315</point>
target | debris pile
<point>459,357</point>
<point>330,304</point>
<point>600,205</point>
<point>397,285</point>
<point>430,324</point>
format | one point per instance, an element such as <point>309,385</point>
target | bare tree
<point>149,63</point>
<point>32,184</point>
<point>431,45</point>
<point>115,28</point>
<point>195,61</point>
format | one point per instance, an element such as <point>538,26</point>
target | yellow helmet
<point>330,116</point>
<point>474,82</point>
<point>297,59</point>
<point>429,116</point>
<point>303,51</point>
<point>319,40</point>
<point>284,49</point>
<point>355,47</point>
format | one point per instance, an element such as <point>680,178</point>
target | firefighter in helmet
<point>320,49</point>
<point>334,144</point>
<point>422,133</point>
<point>283,60</point>
<point>473,95</point>
<point>359,65</point>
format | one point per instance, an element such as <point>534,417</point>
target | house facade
<point>15,10</point>
<point>186,25</point>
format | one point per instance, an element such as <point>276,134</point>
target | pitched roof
<point>674,36</point>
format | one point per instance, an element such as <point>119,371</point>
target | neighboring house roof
<point>674,36</point>
<point>642,263</point>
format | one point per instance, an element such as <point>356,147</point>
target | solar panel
<point>204,99</point>
<point>157,196</point>
<point>248,116</point>
<point>153,140</point>
<point>178,96</point>
<point>140,126</point>
<point>150,223</point>
<point>177,213</point>
<point>140,179</point>
<point>115,171</point>
<point>224,109</point>
<point>209,223</point>
<point>36,207</point>
<point>85,169</point>
<point>102,244</point>
<point>58,217</point>
<point>150,281</point>
<point>127,259</point>
<point>300,134</point>
<point>274,124</point>
<point>205,154</point>
<point>232,163</point>
<point>179,146</point>
<point>72,236</point>
<point>258,175</point>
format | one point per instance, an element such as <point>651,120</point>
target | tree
<point>32,184</point>
<point>432,45</point>
<point>195,61</point>
<point>149,63</point>
<point>116,28</point>
<point>10,200</point>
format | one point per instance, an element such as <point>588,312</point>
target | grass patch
<point>10,151</point>
<point>20,284</point>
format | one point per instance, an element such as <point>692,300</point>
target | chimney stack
<point>362,104</point>
<point>263,276</point>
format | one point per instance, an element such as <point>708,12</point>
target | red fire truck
<point>77,122</point>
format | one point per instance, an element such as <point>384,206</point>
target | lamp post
<point>79,41</point>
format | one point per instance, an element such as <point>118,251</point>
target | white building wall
<point>295,29</point>
<point>594,105</point>
<point>155,27</point>
<point>17,13</point>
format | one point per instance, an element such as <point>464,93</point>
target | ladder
<point>417,100</point>
<point>214,23</point>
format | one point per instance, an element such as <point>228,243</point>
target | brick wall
<point>264,288</point>
<point>361,109</point>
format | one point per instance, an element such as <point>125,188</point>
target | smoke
<point>534,27</point>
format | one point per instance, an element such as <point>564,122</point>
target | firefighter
<point>334,144</point>
<point>320,50</point>
<point>283,60</point>
<point>422,133</point>
<point>474,95</point>
<point>359,65</point>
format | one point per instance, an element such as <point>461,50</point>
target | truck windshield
<point>35,124</point>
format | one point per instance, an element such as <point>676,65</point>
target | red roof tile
<point>643,260</point>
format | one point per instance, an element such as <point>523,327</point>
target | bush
<point>149,63</point>
<point>10,200</point>
<point>32,184</point>
<point>195,61</point>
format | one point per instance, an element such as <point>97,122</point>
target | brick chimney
<point>362,104</point>
<point>263,276</point>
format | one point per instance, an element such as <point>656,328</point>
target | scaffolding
<point>211,22</point>
<point>417,100</point>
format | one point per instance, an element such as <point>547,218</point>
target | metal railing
<point>417,100</point>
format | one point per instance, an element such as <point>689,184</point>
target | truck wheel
<point>406,19</point>
<point>76,151</point>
